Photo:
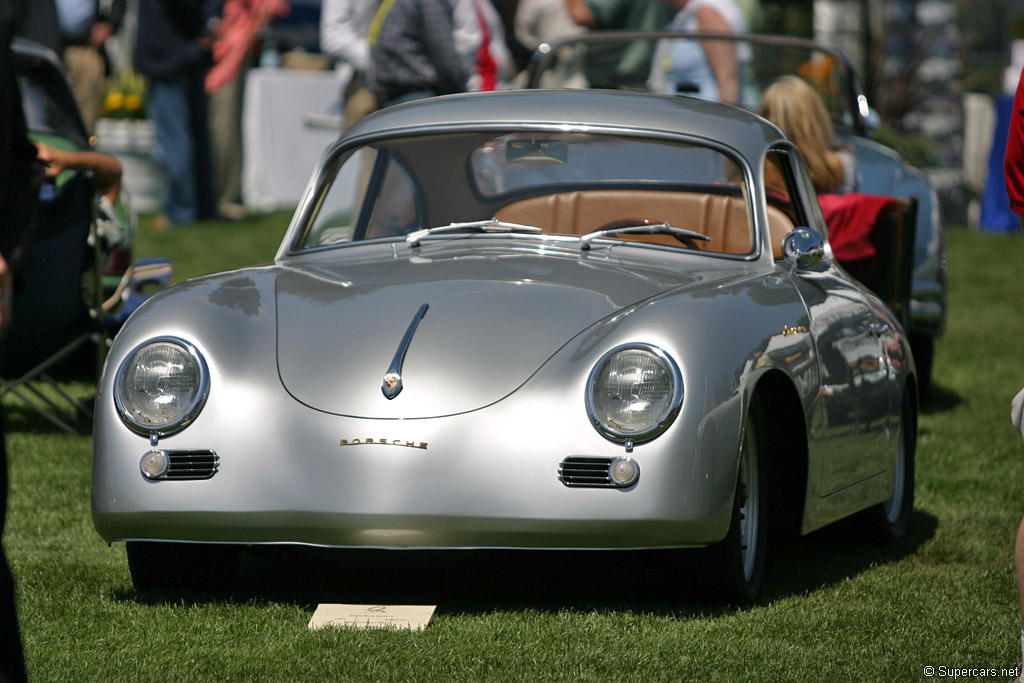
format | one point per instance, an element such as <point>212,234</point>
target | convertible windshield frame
<point>853,113</point>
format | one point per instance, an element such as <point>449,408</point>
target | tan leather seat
<point>722,218</point>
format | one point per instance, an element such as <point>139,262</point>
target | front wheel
<point>923,348</point>
<point>735,566</point>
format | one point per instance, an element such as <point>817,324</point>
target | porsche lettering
<point>384,442</point>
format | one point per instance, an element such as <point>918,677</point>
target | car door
<point>850,423</point>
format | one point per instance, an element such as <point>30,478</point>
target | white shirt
<point>679,63</point>
<point>344,30</point>
<point>538,21</point>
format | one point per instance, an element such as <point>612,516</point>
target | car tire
<point>889,520</point>
<point>735,566</point>
<point>197,567</point>
<point>923,348</point>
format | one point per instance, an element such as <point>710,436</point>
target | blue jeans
<point>177,107</point>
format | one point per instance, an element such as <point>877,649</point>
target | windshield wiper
<point>489,225</point>
<point>645,228</point>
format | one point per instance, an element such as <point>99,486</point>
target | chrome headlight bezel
<point>192,408</point>
<point>665,417</point>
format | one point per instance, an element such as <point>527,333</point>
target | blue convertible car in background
<point>520,320</point>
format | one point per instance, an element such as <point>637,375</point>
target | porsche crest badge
<point>392,384</point>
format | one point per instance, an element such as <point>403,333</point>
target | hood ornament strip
<point>392,385</point>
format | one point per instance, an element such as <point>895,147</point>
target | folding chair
<point>59,307</point>
<point>52,318</point>
<point>144,277</point>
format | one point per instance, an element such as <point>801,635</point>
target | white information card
<point>412,617</point>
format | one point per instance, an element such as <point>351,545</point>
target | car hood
<point>491,322</point>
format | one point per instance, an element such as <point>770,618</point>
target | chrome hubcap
<point>894,505</point>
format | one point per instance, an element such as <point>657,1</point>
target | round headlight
<point>634,393</point>
<point>161,386</point>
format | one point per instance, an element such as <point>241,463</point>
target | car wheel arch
<point>785,450</point>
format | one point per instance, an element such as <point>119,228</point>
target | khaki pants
<point>87,76</point>
<point>225,117</point>
<point>359,101</point>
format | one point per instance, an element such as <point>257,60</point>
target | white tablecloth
<point>284,132</point>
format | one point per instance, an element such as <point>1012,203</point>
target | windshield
<point>562,183</point>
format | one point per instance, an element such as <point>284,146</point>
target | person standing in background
<point>708,69</point>
<point>173,52</point>
<point>344,35</point>
<point>629,65</point>
<point>541,21</point>
<point>492,66</point>
<point>518,53</point>
<point>415,52</point>
<point>36,20</point>
<point>235,50</point>
<point>638,15</point>
<point>85,27</point>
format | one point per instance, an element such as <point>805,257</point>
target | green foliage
<point>916,149</point>
<point>784,17</point>
<point>835,608</point>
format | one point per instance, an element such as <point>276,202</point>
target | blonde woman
<point>795,107</point>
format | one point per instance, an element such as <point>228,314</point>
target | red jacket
<point>1013,162</point>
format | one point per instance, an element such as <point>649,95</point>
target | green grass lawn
<point>835,609</point>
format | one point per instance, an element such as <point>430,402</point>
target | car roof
<point>746,132</point>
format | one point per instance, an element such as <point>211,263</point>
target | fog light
<point>154,464</point>
<point>624,471</point>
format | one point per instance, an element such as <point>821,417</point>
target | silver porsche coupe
<point>537,319</point>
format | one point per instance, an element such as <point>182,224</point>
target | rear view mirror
<point>538,151</point>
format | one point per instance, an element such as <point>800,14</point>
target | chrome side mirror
<point>803,248</point>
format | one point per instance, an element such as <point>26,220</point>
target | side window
<point>395,212</point>
<point>369,188</point>
<point>813,218</point>
<point>339,207</point>
<point>791,196</point>
<point>783,208</point>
